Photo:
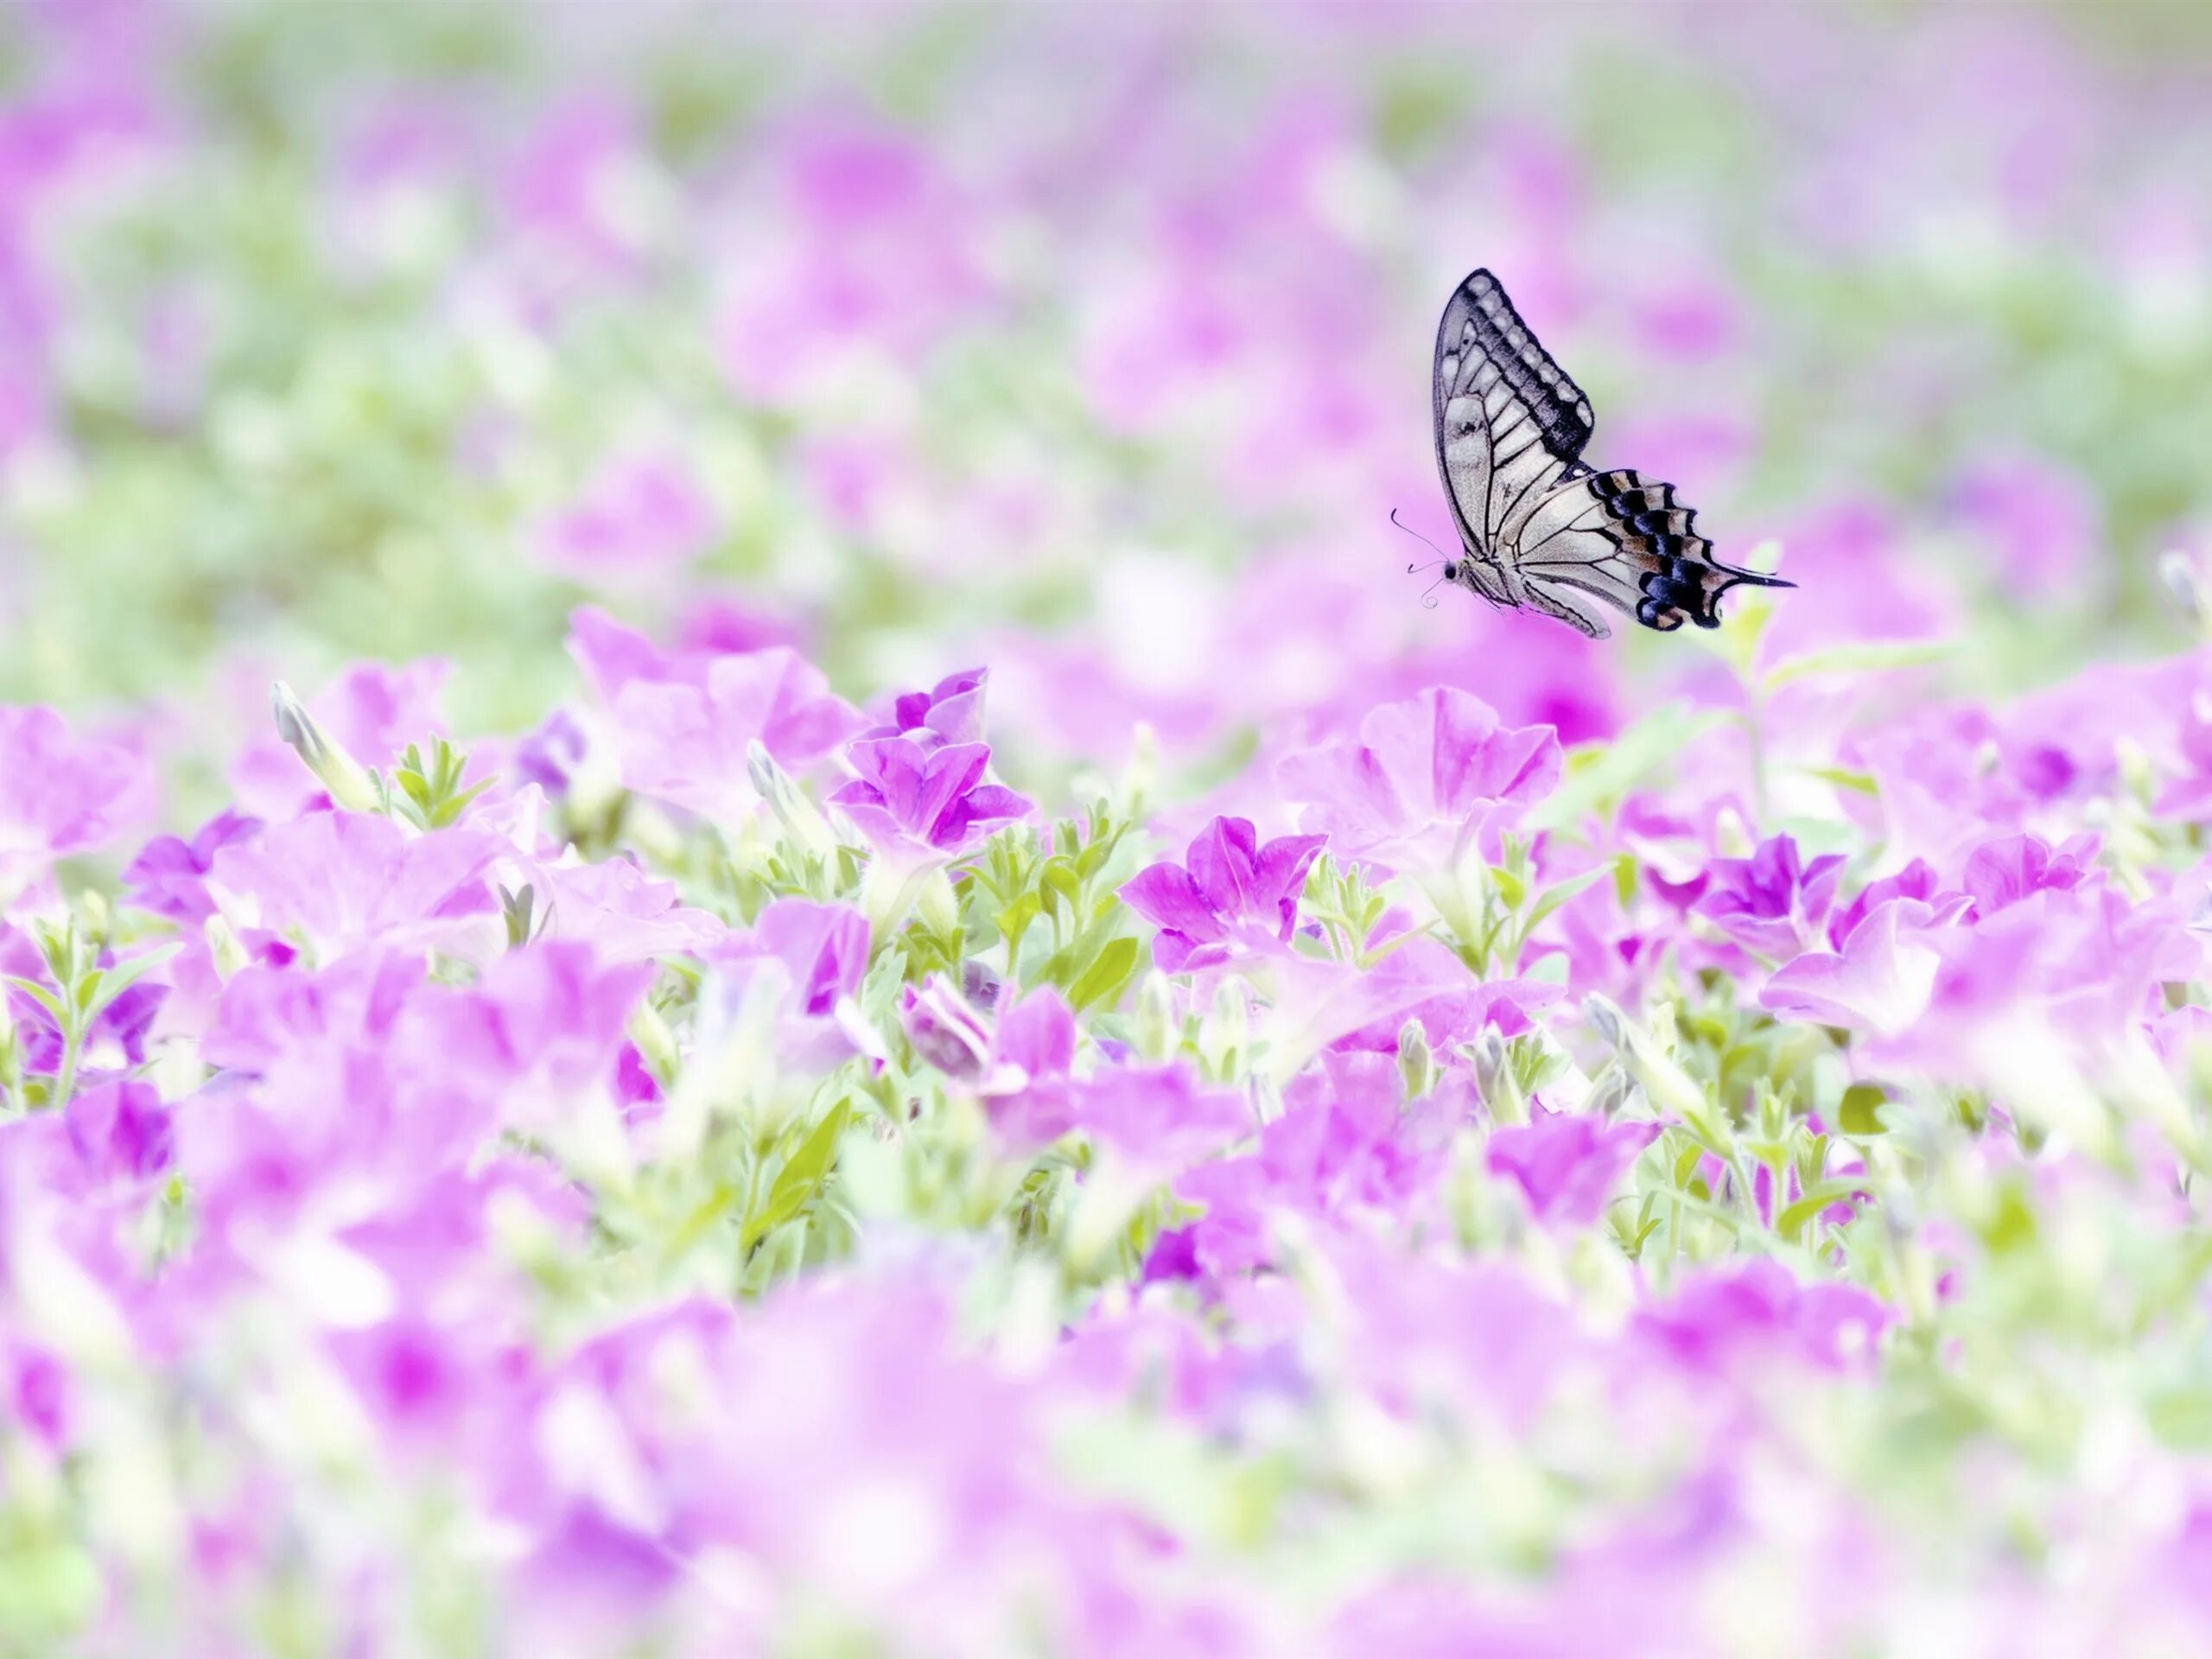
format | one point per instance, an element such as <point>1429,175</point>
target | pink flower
<point>1567,1163</point>
<point>1729,1315</point>
<point>952,711</point>
<point>169,876</point>
<point>2002,873</point>
<point>623,913</point>
<point>1161,1119</point>
<point>687,744</point>
<point>917,797</point>
<point>58,797</point>
<point>824,946</point>
<point>1228,889</point>
<point>1880,980</point>
<point>1767,903</point>
<point>122,1132</point>
<point>2036,525</point>
<point>344,881</point>
<point>1426,775</point>
<point>1028,1091</point>
<point>634,515</point>
<point>1346,1141</point>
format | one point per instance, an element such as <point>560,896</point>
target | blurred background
<point>1087,341</point>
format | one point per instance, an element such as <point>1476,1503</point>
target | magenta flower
<point>1566,1163</point>
<point>1229,890</point>
<point>1162,1119</point>
<point>1028,1092</point>
<point>1880,980</point>
<point>343,881</point>
<point>910,796</point>
<point>639,514</point>
<point>684,724</point>
<point>1728,1315</point>
<point>2002,873</point>
<point>952,711</point>
<point>170,875</point>
<point>122,1131</point>
<point>58,797</point>
<point>1768,903</point>
<point>623,913</point>
<point>687,744</point>
<point>824,946</point>
<point>1346,1141</point>
<point>1425,776</point>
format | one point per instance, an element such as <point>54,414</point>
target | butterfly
<point>1542,528</point>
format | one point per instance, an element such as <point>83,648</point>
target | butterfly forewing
<point>1541,529</point>
<point>1509,422</point>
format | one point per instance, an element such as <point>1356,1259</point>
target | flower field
<point>745,912</point>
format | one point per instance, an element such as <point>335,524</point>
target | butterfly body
<point>1543,530</point>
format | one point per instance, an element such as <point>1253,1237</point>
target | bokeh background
<point>1089,341</point>
<point>630,1211</point>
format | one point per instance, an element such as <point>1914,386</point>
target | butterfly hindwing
<point>1624,539</point>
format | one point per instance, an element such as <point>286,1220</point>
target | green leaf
<point>1013,921</point>
<point>1862,656</point>
<point>1559,892</point>
<point>1858,783</point>
<point>39,994</point>
<point>1791,1222</point>
<point>1860,1111</point>
<point>115,981</point>
<point>801,1176</point>
<point>1060,879</point>
<point>1104,980</point>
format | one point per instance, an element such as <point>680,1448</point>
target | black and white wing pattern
<point>1541,529</point>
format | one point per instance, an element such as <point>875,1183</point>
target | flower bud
<point>802,820</point>
<point>1416,1060</point>
<point>347,784</point>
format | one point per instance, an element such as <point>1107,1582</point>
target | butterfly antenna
<point>1442,557</point>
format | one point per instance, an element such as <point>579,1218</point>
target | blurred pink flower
<point>686,742</point>
<point>1723,1317</point>
<point>634,517</point>
<point>2036,525</point>
<point>1566,1163</point>
<point>59,798</point>
<point>344,882</point>
<point>1427,776</point>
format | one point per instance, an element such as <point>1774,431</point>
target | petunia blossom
<point>952,711</point>
<point>1426,777</point>
<point>1772,903</point>
<point>1229,890</point>
<point>931,800</point>
<point>1566,1163</point>
<point>688,743</point>
<point>60,795</point>
<point>343,881</point>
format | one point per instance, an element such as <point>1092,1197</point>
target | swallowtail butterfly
<point>1542,528</point>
